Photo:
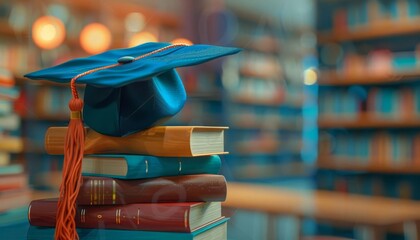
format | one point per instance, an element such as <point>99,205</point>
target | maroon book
<point>188,188</point>
<point>164,217</point>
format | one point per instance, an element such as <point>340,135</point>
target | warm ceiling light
<point>48,32</point>
<point>181,41</point>
<point>141,38</point>
<point>95,38</point>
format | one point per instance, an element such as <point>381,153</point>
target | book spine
<point>150,217</point>
<point>157,141</point>
<point>139,166</point>
<point>36,233</point>
<point>188,188</point>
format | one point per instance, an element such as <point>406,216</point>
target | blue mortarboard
<point>134,88</point>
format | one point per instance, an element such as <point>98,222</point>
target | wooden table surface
<point>322,205</point>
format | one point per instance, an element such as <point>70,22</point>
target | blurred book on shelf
<point>368,97</point>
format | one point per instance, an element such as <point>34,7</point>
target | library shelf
<point>267,125</point>
<point>272,170</point>
<point>384,28</point>
<point>269,149</point>
<point>44,194</point>
<point>47,117</point>
<point>214,95</point>
<point>353,164</point>
<point>330,78</point>
<point>366,121</point>
<point>263,45</point>
<point>7,31</point>
<point>269,102</point>
<point>266,75</point>
<point>120,9</point>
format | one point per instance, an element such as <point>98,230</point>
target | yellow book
<point>165,141</point>
<point>11,144</point>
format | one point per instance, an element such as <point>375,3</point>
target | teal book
<point>213,231</point>
<point>143,166</point>
<point>11,169</point>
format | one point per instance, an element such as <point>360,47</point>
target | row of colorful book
<point>358,14</point>
<point>397,103</point>
<point>379,62</point>
<point>370,184</point>
<point>14,189</point>
<point>165,186</point>
<point>387,148</point>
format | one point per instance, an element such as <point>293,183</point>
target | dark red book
<point>164,217</point>
<point>188,188</point>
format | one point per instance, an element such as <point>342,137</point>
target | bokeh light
<point>310,76</point>
<point>48,32</point>
<point>142,37</point>
<point>95,38</point>
<point>182,41</point>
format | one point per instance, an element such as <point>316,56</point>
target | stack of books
<point>160,183</point>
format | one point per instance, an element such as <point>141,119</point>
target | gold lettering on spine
<point>147,166</point>
<point>180,166</point>
<point>138,216</point>
<point>114,191</point>
<point>83,215</point>
<point>118,216</point>
<point>186,218</point>
<point>103,191</point>
<point>29,213</point>
<point>95,191</point>
<point>91,192</point>
<point>99,192</point>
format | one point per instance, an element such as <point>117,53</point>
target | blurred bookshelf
<point>354,164</point>
<point>367,121</point>
<point>332,78</point>
<point>41,104</point>
<point>378,29</point>
<point>263,103</point>
<point>368,97</point>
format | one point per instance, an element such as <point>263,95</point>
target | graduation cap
<point>127,90</point>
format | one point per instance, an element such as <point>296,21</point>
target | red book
<point>13,181</point>
<point>187,188</point>
<point>163,217</point>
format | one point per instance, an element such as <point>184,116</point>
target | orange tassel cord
<point>65,228</point>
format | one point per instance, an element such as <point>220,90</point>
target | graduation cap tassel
<point>65,228</point>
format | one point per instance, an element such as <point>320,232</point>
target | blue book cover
<point>413,8</point>
<point>213,231</point>
<point>124,166</point>
<point>363,13</point>
<point>13,216</point>
<point>9,93</point>
<point>6,107</point>
<point>11,169</point>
